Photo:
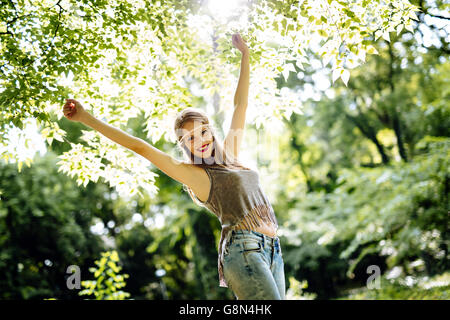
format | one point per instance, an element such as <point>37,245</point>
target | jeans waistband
<point>265,239</point>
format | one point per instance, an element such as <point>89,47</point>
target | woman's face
<point>198,139</point>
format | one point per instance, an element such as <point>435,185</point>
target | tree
<point>133,59</point>
<point>365,201</point>
<point>45,223</point>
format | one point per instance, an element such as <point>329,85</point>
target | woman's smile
<point>204,147</point>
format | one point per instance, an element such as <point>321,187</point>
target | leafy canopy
<point>137,59</point>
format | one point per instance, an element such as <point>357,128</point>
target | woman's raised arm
<point>73,110</point>
<point>180,171</point>
<point>234,137</point>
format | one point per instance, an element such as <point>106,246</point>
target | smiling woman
<point>227,188</point>
<point>249,260</point>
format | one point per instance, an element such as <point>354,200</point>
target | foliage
<point>186,249</point>
<point>394,216</point>
<point>346,27</point>
<point>45,223</point>
<point>347,138</point>
<point>107,281</point>
<point>127,59</point>
<point>131,246</point>
<point>357,171</point>
<point>295,291</point>
<point>434,288</point>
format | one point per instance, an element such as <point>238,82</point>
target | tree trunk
<point>370,133</point>
<point>396,123</point>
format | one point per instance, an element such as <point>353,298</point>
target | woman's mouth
<point>204,147</point>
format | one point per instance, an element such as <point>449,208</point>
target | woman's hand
<point>73,110</point>
<point>239,43</point>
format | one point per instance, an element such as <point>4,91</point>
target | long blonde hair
<point>219,156</point>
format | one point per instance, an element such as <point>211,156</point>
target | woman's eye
<point>203,132</point>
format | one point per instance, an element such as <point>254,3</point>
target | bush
<point>394,216</point>
<point>436,288</point>
<point>107,281</point>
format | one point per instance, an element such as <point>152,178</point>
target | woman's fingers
<point>73,110</point>
<point>238,41</point>
<point>67,112</point>
<point>71,101</point>
<point>69,108</point>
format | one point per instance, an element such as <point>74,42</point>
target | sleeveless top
<point>236,198</point>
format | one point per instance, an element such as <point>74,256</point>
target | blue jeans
<point>253,266</point>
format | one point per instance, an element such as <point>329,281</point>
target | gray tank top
<point>236,198</point>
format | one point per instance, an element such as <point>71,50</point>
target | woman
<point>250,261</point>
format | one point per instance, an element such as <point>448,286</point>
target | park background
<point>348,124</point>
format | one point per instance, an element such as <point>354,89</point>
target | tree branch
<point>425,11</point>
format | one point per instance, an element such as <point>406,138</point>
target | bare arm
<point>235,135</point>
<point>241,94</point>
<point>116,135</point>
<point>185,173</point>
<point>182,172</point>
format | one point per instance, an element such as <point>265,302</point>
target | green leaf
<point>322,33</point>
<point>371,50</point>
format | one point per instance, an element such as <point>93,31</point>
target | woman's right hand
<point>73,110</point>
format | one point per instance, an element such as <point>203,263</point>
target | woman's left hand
<point>239,43</point>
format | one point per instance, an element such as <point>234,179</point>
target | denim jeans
<point>253,266</point>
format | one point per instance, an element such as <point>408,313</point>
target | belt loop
<point>262,239</point>
<point>273,253</point>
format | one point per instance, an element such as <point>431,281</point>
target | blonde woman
<point>250,262</point>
